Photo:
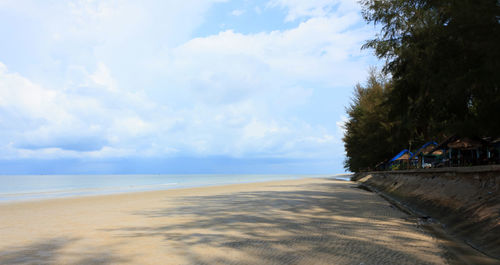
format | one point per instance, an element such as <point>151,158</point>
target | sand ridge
<point>308,221</point>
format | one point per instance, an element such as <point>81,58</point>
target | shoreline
<point>304,221</point>
<point>10,197</point>
<point>174,191</point>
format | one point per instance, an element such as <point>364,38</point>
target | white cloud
<point>258,10</point>
<point>237,12</point>
<point>102,77</point>
<point>69,124</point>
<point>314,8</point>
<point>341,125</point>
<point>65,121</point>
<point>119,78</point>
<point>273,65</point>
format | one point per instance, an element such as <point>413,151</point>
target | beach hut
<point>463,151</point>
<point>470,150</point>
<point>493,151</point>
<point>401,160</point>
<point>426,156</point>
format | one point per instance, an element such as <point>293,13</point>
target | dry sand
<point>309,221</point>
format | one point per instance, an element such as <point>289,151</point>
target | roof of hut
<point>492,141</point>
<point>444,144</point>
<point>466,143</point>
<point>425,149</point>
<point>403,155</point>
<point>436,152</point>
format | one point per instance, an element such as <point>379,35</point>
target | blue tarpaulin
<point>423,146</point>
<point>401,154</point>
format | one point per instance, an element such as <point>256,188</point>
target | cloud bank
<point>121,80</point>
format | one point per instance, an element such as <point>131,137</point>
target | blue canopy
<point>401,154</point>
<point>423,146</point>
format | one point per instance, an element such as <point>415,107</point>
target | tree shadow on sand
<point>51,251</point>
<point>322,224</point>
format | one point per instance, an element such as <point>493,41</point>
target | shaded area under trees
<point>443,59</point>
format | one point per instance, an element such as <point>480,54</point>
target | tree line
<point>441,77</point>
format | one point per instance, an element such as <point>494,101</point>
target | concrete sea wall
<point>466,201</point>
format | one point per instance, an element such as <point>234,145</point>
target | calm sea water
<point>16,187</point>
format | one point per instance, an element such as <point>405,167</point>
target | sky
<point>168,86</point>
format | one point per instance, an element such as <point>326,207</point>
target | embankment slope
<point>465,200</point>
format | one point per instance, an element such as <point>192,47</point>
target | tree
<point>370,136</point>
<point>444,58</point>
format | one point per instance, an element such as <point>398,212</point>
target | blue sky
<point>164,86</point>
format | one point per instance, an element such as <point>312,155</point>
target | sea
<point>36,187</point>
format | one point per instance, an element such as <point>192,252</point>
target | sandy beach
<point>307,221</point>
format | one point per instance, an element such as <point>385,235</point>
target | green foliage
<point>370,135</point>
<point>443,57</point>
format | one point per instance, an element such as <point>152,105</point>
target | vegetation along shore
<point>424,131</point>
<point>440,83</point>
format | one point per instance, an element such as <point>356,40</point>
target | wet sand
<point>309,221</point>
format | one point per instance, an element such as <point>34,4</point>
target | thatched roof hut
<point>462,143</point>
<point>403,155</point>
<point>467,143</point>
<point>425,149</point>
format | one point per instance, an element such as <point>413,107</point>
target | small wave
<point>78,192</point>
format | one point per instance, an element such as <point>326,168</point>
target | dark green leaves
<point>443,57</point>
